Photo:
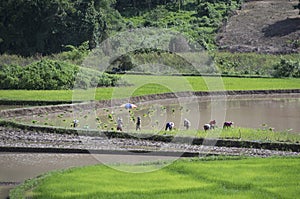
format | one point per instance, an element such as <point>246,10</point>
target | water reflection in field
<point>277,112</point>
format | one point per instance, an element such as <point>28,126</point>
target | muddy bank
<point>142,99</point>
<point>18,140</point>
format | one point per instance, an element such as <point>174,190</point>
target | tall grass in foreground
<point>190,178</point>
<point>145,85</point>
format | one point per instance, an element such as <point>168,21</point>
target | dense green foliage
<point>40,27</point>
<point>287,68</point>
<point>210,177</point>
<point>198,20</point>
<point>42,75</point>
<point>52,75</point>
<point>252,63</point>
<point>46,26</point>
<point>159,62</point>
<point>225,63</point>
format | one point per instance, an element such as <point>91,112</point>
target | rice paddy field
<point>265,120</point>
<point>210,177</point>
<point>144,85</point>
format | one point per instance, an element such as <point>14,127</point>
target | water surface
<point>280,113</point>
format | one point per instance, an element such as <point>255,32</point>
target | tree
<point>46,26</point>
<point>27,26</point>
<point>89,23</point>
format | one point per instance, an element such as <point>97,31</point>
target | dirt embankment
<point>263,26</point>
<point>35,141</point>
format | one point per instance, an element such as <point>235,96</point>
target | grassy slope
<point>202,29</point>
<point>222,178</point>
<point>144,85</point>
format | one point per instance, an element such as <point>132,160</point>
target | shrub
<point>52,75</point>
<point>253,63</point>
<point>48,75</point>
<point>287,68</point>
<point>74,55</point>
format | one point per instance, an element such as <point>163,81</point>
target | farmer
<point>119,124</point>
<point>186,124</point>
<point>210,125</point>
<point>75,123</point>
<point>169,126</point>
<point>227,124</point>
<point>138,123</point>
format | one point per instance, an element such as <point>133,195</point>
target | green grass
<point>245,134</point>
<point>249,63</point>
<point>212,177</point>
<point>236,133</point>
<point>260,84</point>
<point>144,85</point>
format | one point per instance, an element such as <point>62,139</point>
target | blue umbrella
<point>128,106</point>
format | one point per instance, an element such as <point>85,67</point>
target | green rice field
<point>145,85</point>
<point>210,177</point>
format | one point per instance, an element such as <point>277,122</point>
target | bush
<point>253,63</point>
<point>74,55</point>
<point>48,75</point>
<point>287,68</point>
<point>52,75</point>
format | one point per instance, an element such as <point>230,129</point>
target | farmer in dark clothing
<point>169,126</point>
<point>227,124</point>
<point>138,123</point>
<point>186,124</point>
<point>75,123</point>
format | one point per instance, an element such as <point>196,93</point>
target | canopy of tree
<point>41,27</point>
<point>46,26</point>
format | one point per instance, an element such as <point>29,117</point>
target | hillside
<point>257,26</point>
<point>263,26</point>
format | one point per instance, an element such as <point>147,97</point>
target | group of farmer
<point>170,125</point>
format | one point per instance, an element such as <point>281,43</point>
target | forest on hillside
<point>43,43</point>
<point>47,26</point>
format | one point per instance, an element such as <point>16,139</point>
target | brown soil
<point>263,26</point>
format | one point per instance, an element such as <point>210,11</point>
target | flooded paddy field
<point>281,113</point>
